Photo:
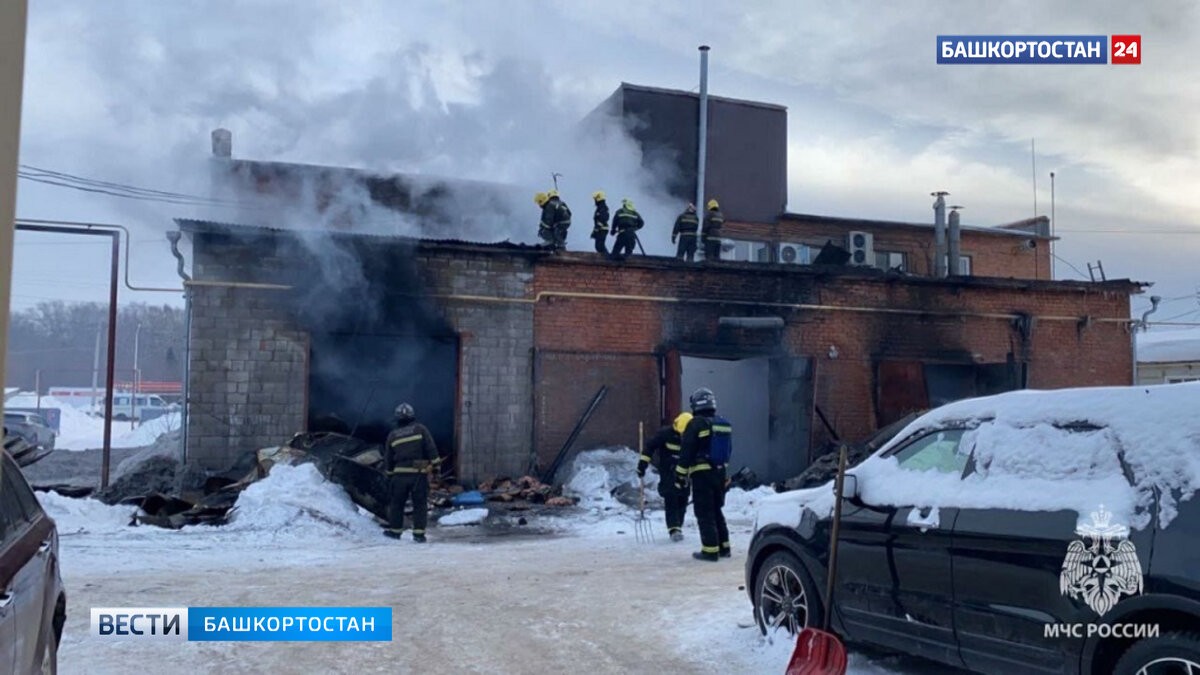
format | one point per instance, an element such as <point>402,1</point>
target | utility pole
<point>13,15</point>
<point>96,365</point>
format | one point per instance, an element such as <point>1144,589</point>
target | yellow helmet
<point>712,204</point>
<point>627,203</point>
<point>681,422</point>
<point>552,193</point>
<point>541,198</point>
<point>598,195</point>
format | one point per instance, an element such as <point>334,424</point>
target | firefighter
<point>556,218</point>
<point>409,456</point>
<point>625,224</point>
<point>600,223</point>
<point>707,445</point>
<point>710,234</point>
<point>685,231</point>
<point>667,444</point>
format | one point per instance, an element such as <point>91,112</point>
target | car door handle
<point>925,518</point>
<point>45,546</point>
<point>6,599</point>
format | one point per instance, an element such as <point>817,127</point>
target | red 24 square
<point>1126,49</point>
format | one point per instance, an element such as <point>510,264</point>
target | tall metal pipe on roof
<point>939,233</point>
<point>954,253</point>
<point>702,142</point>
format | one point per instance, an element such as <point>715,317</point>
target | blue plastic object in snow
<point>467,498</point>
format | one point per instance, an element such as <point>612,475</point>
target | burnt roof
<point>669,262</point>
<point>868,223</point>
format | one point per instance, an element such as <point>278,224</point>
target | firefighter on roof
<point>685,232</point>
<point>625,224</point>
<point>707,446</point>
<point>600,223</point>
<point>710,234</point>
<point>556,218</point>
<point>409,456</point>
<point>667,444</point>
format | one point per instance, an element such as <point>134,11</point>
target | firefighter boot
<point>708,557</point>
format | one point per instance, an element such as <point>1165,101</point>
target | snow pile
<point>298,500</point>
<point>79,431</point>
<point>596,473</point>
<point>464,517</point>
<point>743,504</point>
<point>1169,345</point>
<point>73,516</point>
<point>1054,450</point>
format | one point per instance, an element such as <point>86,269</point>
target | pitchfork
<point>641,525</point>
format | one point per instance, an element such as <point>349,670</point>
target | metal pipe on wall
<point>702,141</point>
<point>954,252</point>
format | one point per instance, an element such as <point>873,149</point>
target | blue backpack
<point>720,447</point>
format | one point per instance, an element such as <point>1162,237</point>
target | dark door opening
<point>362,378</point>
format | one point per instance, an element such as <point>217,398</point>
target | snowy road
<point>585,598</point>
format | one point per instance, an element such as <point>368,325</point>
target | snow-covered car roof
<point>1068,449</point>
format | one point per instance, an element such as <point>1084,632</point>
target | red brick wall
<point>992,255</point>
<point>1061,353</point>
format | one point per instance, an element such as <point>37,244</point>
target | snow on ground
<point>1052,450</point>
<point>584,595</point>
<point>463,517</point>
<point>1161,346</point>
<point>79,431</point>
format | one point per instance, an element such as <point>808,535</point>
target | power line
<point>1068,264</point>
<point>1180,316</point>
<point>1135,231</point>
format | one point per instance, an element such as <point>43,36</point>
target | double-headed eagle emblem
<point>1102,571</point>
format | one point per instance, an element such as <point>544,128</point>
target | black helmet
<point>404,413</point>
<point>703,399</point>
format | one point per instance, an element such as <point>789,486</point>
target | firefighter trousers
<point>401,488</point>
<point>686,250</point>
<point>712,248</point>
<point>626,241</point>
<point>674,500</point>
<point>708,498</point>
<point>599,236</point>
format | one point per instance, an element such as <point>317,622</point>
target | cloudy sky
<point>127,91</point>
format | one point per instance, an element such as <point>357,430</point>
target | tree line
<point>59,339</point>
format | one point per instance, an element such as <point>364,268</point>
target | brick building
<point>501,347</point>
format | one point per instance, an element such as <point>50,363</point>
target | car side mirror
<point>850,490</point>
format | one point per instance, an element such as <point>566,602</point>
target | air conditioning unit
<point>792,254</point>
<point>861,246</point>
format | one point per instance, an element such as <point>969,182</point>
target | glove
<point>673,237</point>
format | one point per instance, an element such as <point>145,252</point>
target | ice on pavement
<point>464,517</point>
<point>1058,450</point>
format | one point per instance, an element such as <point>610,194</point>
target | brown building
<point>501,347</point>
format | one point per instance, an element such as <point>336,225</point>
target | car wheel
<point>784,596</point>
<point>1174,652</point>
<point>50,655</point>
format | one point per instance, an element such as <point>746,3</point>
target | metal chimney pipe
<point>955,251</point>
<point>702,142</point>
<point>222,143</point>
<point>939,233</point>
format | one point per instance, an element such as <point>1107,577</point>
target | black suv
<point>995,590</point>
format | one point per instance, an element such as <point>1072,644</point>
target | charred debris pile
<point>170,500</point>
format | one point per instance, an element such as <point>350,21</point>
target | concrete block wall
<point>247,381</point>
<point>495,408</point>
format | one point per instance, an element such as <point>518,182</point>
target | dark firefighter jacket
<point>410,449</point>
<point>600,218</point>
<point>627,219</point>
<point>555,212</point>
<point>697,436</point>
<point>686,224</point>
<point>666,444</point>
<point>713,220</point>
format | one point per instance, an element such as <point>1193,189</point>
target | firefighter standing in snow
<point>409,456</point>
<point>707,446</point>
<point>685,231</point>
<point>556,218</point>
<point>667,444</point>
<point>710,234</point>
<point>625,224</point>
<point>600,223</point>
